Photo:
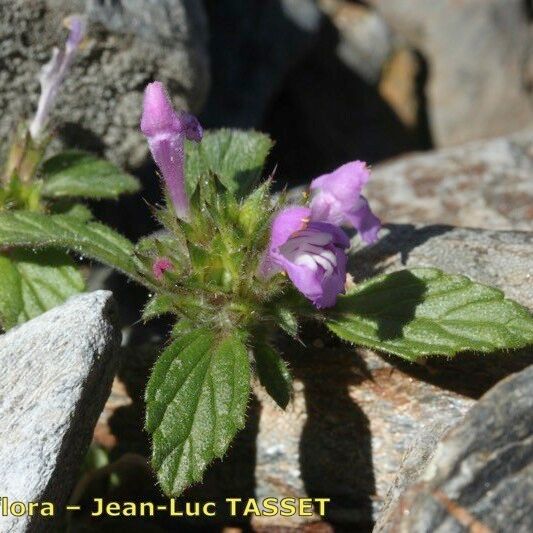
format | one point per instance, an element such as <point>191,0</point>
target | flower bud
<point>166,132</point>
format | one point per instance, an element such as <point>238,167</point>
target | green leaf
<point>159,304</point>
<point>80,174</point>
<point>34,282</point>
<point>72,209</point>
<point>236,157</point>
<point>273,374</point>
<point>287,321</point>
<point>10,294</point>
<point>48,278</point>
<point>196,402</point>
<point>91,239</point>
<point>420,312</point>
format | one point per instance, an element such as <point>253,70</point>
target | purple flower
<point>337,199</point>
<point>312,254</point>
<point>160,266</point>
<point>166,132</point>
<point>54,72</point>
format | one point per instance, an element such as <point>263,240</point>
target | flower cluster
<point>307,242</point>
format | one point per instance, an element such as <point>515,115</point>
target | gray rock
<point>479,63</point>
<point>365,40</point>
<point>483,184</point>
<point>413,463</point>
<point>351,420</point>
<point>480,476</point>
<point>57,373</point>
<point>131,42</point>
<point>252,45</point>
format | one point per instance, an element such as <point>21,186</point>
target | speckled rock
<point>479,476</point>
<point>131,42</point>
<point>57,373</point>
<point>351,420</point>
<point>480,69</point>
<point>486,184</point>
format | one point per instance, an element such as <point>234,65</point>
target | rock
<point>365,40</point>
<point>252,45</point>
<point>369,48</point>
<point>131,42</point>
<point>478,56</point>
<point>340,101</point>
<point>503,259</point>
<point>413,463</point>
<point>483,184</point>
<point>57,373</point>
<point>343,436</point>
<point>479,476</point>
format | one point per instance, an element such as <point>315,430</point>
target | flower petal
<point>366,223</point>
<point>288,222</point>
<point>344,184</point>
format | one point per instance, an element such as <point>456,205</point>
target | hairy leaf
<point>10,294</point>
<point>35,282</point>
<point>236,157</point>
<point>287,321</point>
<point>80,174</point>
<point>421,312</point>
<point>91,239</point>
<point>69,207</point>
<point>159,304</point>
<point>48,278</point>
<point>196,402</point>
<point>273,374</point>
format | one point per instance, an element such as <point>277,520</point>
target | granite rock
<point>131,42</point>
<point>485,184</point>
<point>479,476</point>
<point>479,63</point>
<point>57,373</point>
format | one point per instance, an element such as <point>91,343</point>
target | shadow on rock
<point>326,114</point>
<point>335,447</point>
<point>400,239</point>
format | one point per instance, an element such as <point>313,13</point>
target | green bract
<point>227,316</point>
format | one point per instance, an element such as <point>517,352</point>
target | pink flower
<point>337,200</point>
<point>160,266</point>
<point>312,254</point>
<point>166,132</point>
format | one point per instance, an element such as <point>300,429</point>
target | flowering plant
<point>31,281</point>
<point>235,264</point>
